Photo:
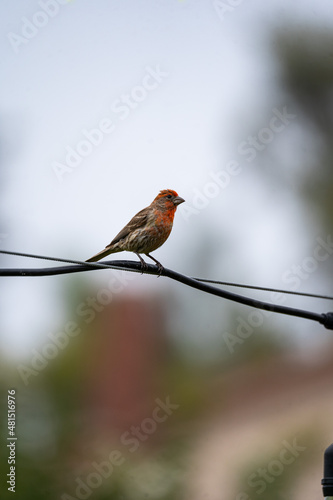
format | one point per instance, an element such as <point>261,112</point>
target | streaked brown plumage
<point>147,230</point>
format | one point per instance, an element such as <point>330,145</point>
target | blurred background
<point>133,387</point>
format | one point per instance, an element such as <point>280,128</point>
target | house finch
<point>147,230</point>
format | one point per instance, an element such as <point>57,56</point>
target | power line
<point>325,319</point>
<point>99,265</point>
<point>266,289</point>
<point>92,265</point>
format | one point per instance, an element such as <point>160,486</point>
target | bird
<point>147,230</point>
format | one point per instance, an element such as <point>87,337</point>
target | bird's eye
<point>169,196</point>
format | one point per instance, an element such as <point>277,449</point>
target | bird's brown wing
<point>139,220</point>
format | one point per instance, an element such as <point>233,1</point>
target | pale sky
<point>169,84</point>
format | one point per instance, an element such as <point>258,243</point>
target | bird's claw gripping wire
<point>326,319</point>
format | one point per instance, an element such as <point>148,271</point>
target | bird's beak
<point>178,200</point>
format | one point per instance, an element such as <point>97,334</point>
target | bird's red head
<point>168,199</point>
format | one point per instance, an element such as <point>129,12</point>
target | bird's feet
<point>158,265</point>
<point>160,269</point>
<point>144,265</point>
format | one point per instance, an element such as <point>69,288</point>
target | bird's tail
<point>102,254</point>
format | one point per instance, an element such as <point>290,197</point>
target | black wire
<point>325,319</point>
<point>98,265</point>
<point>265,289</point>
<point>93,265</point>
